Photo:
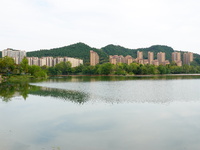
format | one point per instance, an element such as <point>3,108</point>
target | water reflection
<point>121,78</point>
<point>10,90</point>
<point>74,96</point>
<point>122,90</point>
<point>109,89</point>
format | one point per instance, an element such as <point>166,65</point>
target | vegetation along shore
<point>9,70</point>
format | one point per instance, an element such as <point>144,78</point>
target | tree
<point>105,69</point>
<point>64,67</point>
<point>7,65</point>
<point>32,69</point>
<point>162,69</point>
<point>24,65</point>
<point>133,68</point>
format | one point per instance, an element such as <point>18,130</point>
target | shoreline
<point>157,75</point>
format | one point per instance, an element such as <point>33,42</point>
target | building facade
<point>176,57</point>
<point>50,61</point>
<point>94,58</point>
<point>121,59</point>
<point>187,58</point>
<point>17,55</point>
<point>139,55</point>
<point>161,57</point>
<point>150,57</point>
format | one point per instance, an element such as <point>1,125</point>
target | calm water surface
<point>101,113</point>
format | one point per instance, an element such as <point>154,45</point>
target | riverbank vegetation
<point>121,69</point>
<point>23,71</point>
<point>11,71</point>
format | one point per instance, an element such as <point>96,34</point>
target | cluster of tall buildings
<point>128,59</point>
<point>50,61</point>
<point>18,55</point>
<point>187,58</point>
<point>176,57</point>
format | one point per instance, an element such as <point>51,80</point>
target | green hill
<point>79,50</point>
<point>82,51</point>
<point>118,50</point>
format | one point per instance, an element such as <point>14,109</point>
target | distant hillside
<point>82,51</point>
<point>79,50</point>
<point>118,50</point>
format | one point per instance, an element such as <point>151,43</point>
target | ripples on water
<point>97,113</point>
<point>151,91</point>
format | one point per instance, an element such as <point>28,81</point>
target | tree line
<point>64,68</point>
<point>8,67</point>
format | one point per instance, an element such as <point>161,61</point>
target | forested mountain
<point>118,50</point>
<point>79,50</point>
<point>82,51</point>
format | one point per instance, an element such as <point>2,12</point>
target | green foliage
<point>53,71</point>
<point>7,65</point>
<point>64,67</point>
<point>119,50</point>
<point>37,71</point>
<point>78,69</point>
<point>40,74</point>
<point>162,69</point>
<point>24,65</point>
<point>89,70</point>
<point>105,69</point>
<point>124,69</point>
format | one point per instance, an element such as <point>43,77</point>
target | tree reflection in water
<point>74,96</point>
<point>9,90</point>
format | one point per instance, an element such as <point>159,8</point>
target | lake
<point>101,113</point>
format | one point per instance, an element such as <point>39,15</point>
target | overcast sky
<point>43,24</point>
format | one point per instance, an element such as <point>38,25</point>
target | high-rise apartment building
<point>139,58</point>
<point>129,59</point>
<point>94,58</point>
<point>150,57</point>
<point>176,57</point>
<point>161,57</point>
<point>17,55</point>
<point>139,55</point>
<point>187,58</point>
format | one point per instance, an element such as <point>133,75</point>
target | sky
<point>43,24</point>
